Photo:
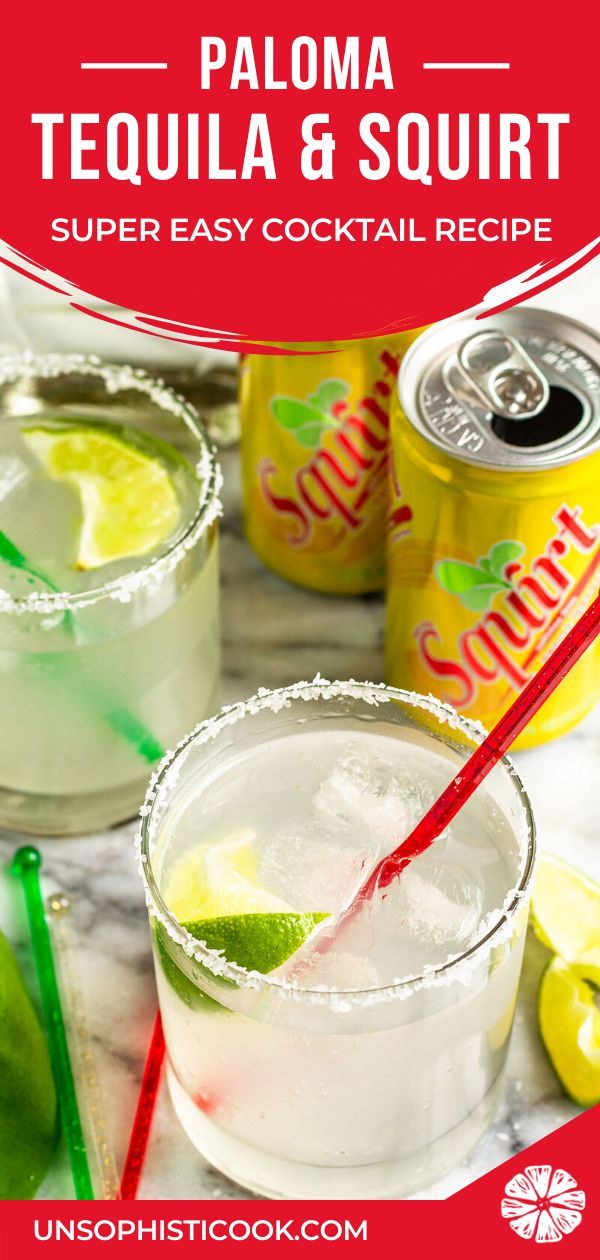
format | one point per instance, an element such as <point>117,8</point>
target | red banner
<point>228,177</point>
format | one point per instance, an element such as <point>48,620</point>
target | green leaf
<point>502,553</point>
<point>480,597</point>
<point>455,576</point>
<point>305,422</point>
<point>328,393</point>
<point>474,585</point>
<point>484,565</point>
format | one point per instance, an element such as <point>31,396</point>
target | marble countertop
<point>274,633</point>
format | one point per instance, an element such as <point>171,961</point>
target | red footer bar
<point>549,1192</point>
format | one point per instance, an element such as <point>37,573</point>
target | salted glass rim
<point>276,700</point>
<point>118,377</point>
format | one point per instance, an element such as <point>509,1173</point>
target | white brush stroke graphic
<point>509,292</point>
<point>527,282</point>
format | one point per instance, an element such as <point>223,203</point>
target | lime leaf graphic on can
<point>476,584</point>
<point>328,393</point>
<point>308,420</point>
<point>501,555</point>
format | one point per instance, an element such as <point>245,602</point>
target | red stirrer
<point>479,764</point>
<point>138,1142</point>
<point>485,757</point>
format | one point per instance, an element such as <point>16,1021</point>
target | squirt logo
<point>543,1204</point>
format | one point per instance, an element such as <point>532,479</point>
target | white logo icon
<point>543,1203</point>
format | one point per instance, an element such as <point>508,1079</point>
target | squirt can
<point>493,531</point>
<point>315,436</point>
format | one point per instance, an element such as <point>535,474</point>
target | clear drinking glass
<point>355,1088</point>
<point>99,680</point>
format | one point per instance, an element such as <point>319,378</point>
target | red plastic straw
<point>485,757</point>
<point>138,1142</point>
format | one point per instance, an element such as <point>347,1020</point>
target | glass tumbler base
<point>277,1178</point>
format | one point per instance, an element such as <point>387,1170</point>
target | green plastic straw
<point>26,866</point>
<point>124,723</point>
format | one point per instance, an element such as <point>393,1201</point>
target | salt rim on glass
<point>116,378</point>
<point>496,928</point>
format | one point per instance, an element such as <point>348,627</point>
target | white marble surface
<point>274,634</point>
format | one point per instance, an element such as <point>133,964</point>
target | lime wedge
<point>128,500</point>
<point>569,1021</point>
<point>258,942</point>
<point>220,879</point>
<point>215,893</point>
<point>565,910</point>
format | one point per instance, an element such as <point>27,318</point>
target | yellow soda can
<point>493,531</point>
<point>315,441</point>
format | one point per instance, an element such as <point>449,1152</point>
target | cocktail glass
<point>98,681</point>
<point>354,1082</point>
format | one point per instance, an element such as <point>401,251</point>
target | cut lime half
<point>569,1019</point>
<point>128,499</point>
<point>565,911</point>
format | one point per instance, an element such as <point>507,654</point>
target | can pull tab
<point>503,375</point>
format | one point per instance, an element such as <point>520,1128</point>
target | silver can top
<point>517,390</point>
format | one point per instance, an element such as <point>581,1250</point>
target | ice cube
<point>13,470</point>
<point>313,870</point>
<point>365,788</point>
<point>342,970</point>
<point>435,902</point>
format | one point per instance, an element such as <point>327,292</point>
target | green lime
<point>28,1116</point>
<point>257,942</point>
<point>569,1021</point>
<point>565,910</point>
<point>215,893</point>
<point>175,966</point>
<point>128,500</point>
<point>219,879</point>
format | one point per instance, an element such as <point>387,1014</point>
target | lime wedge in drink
<point>569,1019</point>
<point>220,879</point>
<point>128,500</point>
<point>565,910</point>
<point>258,942</point>
<point>214,892</point>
